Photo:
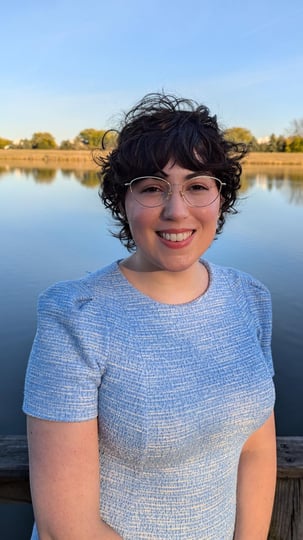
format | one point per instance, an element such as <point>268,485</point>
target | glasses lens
<point>149,191</point>
<point>201,191</point>
<point>152,191</point>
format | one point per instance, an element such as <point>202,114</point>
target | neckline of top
<point>137,294</point>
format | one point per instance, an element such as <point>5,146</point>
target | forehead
<point>174,170</point>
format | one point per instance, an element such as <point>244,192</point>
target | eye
<point>199,184</point>
<point>151,189</point>
<point>150,185</point>
<point>198,187</point>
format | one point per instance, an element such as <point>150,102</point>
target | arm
<point>65,484</point>
<point>256,484</point>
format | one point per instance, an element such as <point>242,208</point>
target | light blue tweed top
<point>177,390</point>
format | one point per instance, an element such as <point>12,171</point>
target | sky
<point>67,65</point>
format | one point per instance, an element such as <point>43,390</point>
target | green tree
<point>240,135</point>
<point>272,144</point>
<point>281,143</point>
<point>4,142</point>
<point>43,141</point>
<point>93,137</point>
<point>25,144</point>
<point>67,145</point>
<point>294,144</point>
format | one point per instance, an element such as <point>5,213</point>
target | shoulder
<point>248,293</point>
<point>237,280</point>
<point>67,296</point>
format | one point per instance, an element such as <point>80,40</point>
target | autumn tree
<point>240,135</point>
<point>67,145</point>
<point>93,137</point>
<point>294,144</point>
<point>43,141</point>
<point>4,142</point>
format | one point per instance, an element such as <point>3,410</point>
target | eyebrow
<point>189,176</point>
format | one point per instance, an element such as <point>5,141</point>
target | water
<point>53,227</point>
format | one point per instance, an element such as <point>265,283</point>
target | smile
<point>175,237</point>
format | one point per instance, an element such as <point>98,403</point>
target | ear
<point>122,211</point>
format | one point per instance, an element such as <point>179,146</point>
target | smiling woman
<point>154,375</point>
<point>172,235</point>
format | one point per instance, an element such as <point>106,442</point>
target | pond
<point>53,227</point>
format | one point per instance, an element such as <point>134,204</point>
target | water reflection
<point>44,176</point>
<point>291,188</point>
<point>288,182</point>
<point>88,178</point>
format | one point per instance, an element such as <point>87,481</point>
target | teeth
<point>175,237</point>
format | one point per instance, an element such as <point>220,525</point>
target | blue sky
<point>68,65</point>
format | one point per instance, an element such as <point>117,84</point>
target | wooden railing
<point>14,480</point>
<point>287,518</point>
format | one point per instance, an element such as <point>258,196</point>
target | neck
<point>168,287</point>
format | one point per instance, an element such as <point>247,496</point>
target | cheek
<point>133,215</point>
<point>210,214</point>
<point>138,218</point>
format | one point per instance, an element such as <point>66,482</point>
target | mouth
<point>175,237</point>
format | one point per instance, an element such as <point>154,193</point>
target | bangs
<point>149,152</point>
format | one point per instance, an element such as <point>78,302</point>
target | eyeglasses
<point>152,191</point>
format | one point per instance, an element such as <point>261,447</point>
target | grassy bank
<point>294,159</point>
<point>83,159</point>
<point>52,159</point>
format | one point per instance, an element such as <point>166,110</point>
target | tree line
<point>293,142</point>
<point>91,138</point>
<point>87,138</point>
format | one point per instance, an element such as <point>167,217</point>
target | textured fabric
<point>177,390</point>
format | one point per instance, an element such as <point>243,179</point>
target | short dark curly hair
<point>163,128</point>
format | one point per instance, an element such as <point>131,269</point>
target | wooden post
<point>14,478</point>
<point>287,518</point>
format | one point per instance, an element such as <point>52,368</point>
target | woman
<point>149,389</point>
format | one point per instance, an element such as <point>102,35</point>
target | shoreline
<point>83,159</point>
<point>48,159</point>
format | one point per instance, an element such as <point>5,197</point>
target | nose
<point>175,206</point>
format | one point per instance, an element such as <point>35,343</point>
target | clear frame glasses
<point>153,191</point>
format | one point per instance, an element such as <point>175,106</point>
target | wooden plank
<point>290,457</point>
<point>287,518</point>
<point>15,490</point>
<point>13,457</point>
<point>14,476</point>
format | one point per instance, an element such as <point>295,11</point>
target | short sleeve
<point>260,311</point>
<point>65,365</point>
<point>254,301</point>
